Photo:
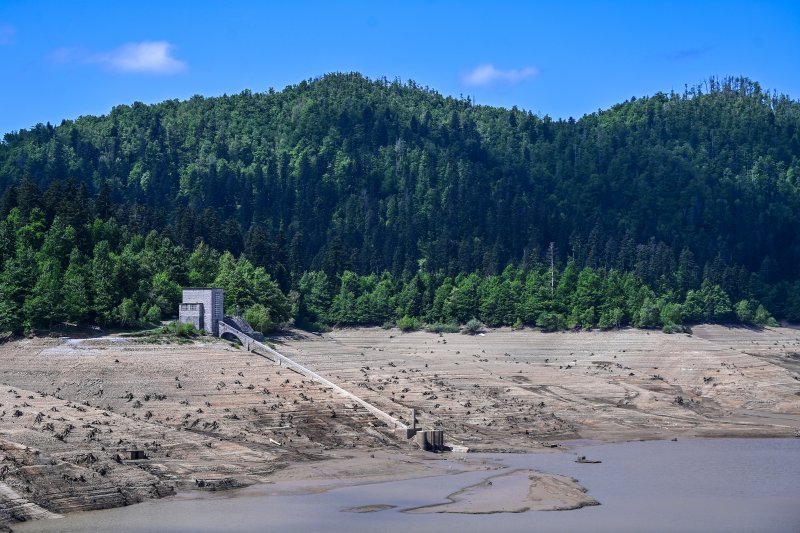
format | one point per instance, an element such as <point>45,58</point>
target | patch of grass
<point>443,327</point>
<point>141,334</point>
<point>172,333</point>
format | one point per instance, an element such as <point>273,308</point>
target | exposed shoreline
<point>689,485</point>
<point>210,416</point>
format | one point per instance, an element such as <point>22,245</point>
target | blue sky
<point>63,59</point>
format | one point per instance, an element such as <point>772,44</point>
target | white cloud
<point>7,34</point>
<point>153,57</point>
<point>483,75</point>
<point>148,56</point>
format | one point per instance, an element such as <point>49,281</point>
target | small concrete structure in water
<point>427,440</point>
<point>430,441</point>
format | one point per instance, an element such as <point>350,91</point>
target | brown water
<point>691,485</point>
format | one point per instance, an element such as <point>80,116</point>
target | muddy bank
<point>517,491</point>
<point>211,416</point>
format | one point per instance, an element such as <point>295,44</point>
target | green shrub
<point>258,316</point>
<point>673,328</point>
<point>126,313</point>
<point>763,318</point>
<point>442,327</point>
<point>744,312</point>
<point>153,315</point>
<point>184,330</point>
<point>551,321</point>
<point>173,329</point>
<point>649,315</point>
<point>408,323</point>
<point>671,313</point>
<point>473,326</point>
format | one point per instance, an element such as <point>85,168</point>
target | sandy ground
<point>514,492</point>
<point>513,390</point>
<point>212,416</point>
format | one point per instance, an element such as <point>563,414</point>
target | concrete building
<point>202,307</point>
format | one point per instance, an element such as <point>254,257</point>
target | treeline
<point>62,262</point>
<point>548,298</point>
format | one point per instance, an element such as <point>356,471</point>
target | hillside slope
<point>344,172</point>
<point>409,191</point>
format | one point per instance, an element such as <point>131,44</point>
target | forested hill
<point>346,173</point>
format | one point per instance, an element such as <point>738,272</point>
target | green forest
<point>348,201</point>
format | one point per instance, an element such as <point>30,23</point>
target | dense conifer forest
<point>343,200</point>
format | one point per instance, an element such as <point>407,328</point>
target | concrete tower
<point>202,307</point>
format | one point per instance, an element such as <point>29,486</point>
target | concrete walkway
<point>255,346</point>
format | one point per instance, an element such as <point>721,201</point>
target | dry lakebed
<point>231,440</point>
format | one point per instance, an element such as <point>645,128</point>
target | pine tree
<point>230,278</point>
<point>75,291</point>
<point>44,306</point>
<point>103,283</point>
<point>203,265</point>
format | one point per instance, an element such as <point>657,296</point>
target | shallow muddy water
<point>690,485</point>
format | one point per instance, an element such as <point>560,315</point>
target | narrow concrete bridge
<point>231,327</point>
